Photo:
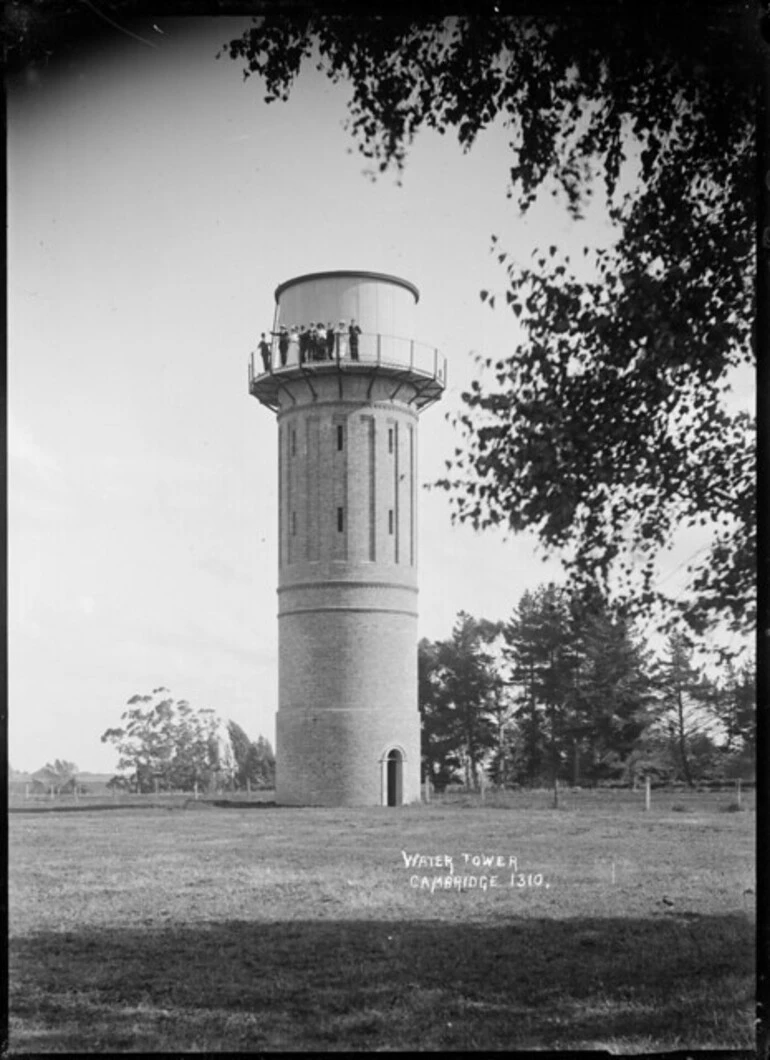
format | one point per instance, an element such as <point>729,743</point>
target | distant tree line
<point>567,691</point>
<point>167,745</point>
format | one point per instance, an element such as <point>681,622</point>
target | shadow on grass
<point>347,984</point>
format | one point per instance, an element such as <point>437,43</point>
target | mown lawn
<point>275,929</point>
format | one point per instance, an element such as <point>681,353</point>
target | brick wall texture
<point>347,591</point>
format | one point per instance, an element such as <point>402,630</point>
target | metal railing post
<point>411,353</point>
<point>379,347</point>
<point>435,363</point>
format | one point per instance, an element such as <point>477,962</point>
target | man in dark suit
<point>283,344</point>
<point>353,332</point>
<point>264,349</point>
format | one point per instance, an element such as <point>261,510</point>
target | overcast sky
<point>155,202</point>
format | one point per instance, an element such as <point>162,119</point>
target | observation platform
<point>417,371</point>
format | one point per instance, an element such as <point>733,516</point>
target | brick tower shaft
<point>347,404</point>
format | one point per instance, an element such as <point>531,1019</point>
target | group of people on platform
<point>314,342</point>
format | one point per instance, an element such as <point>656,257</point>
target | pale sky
<point>155,202</point>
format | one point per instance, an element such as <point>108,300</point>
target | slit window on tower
<point>340,436</point>
<point>390,520</point>
<point>294,523</point>
<point>294,441</point>
<point>340,520</point>
<point>390,439</point>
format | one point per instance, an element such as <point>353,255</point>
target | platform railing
<point>388,350</point>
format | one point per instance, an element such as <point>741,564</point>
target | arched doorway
<point>394,766</point>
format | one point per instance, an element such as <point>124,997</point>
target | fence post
<point>738,790</point>
<point>646,793</point>
<point>195,789</point>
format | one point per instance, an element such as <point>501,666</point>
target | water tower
<point>347,405</point>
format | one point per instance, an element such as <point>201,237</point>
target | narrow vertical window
<point>340,436</point>
<point>340,520</point>
<point>294,441</point>
<point>390,439</point>
<point>390,520</point>
<point>294,523</point>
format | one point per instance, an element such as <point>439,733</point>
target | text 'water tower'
<point>347,404</point>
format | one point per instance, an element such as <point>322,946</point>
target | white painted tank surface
<point>382,306</point>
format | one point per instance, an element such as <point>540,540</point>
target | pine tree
<point>683,698</point>
<point>541,650</point>
<point>614,695</point>
<point>468,676</point>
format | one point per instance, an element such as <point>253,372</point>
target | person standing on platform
<point>304,344</point>
<point>353,332</point>
<point>264,350</point>
<point>283,344</point>
<point>341,333</point>
<point>329,341</point>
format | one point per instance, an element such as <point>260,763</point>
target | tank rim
<point>384,276</point>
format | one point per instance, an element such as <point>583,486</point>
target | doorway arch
<point>393,777</point>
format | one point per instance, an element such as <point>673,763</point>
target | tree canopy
<point>166,744</point>
<point>606,428</point>
<point>567,691</point>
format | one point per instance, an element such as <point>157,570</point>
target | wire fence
<point>105,797</point>
<point>710,796</point>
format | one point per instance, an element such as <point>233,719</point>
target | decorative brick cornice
<point>361,610</point>
<point>386,406</point>
<point>338,583</point>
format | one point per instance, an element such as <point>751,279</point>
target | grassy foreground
<point>275,929</point>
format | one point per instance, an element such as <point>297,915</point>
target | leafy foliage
<point>59,775</point>
<point>606,428</point>
<point>683,714</point>
<point>457,679</point>
<point>567,692</point>
<point>583,693</point>
<point>166,744</point>
<point>61,768</point>
<point>254,761</point>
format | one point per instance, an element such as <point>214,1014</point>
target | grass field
<point>263,928</point>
